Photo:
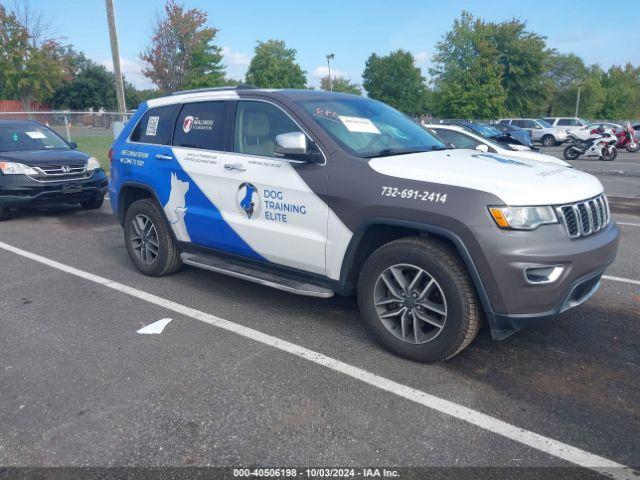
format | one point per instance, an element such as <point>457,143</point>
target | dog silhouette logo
<point>248,199</point>
<point>176,208</point>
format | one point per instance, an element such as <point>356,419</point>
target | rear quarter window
<point>155,126</point>
<point>201,125</point>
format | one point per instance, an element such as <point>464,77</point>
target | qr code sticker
<point>152,126</point>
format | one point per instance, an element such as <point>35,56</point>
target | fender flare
<point>142,186</point>
<point>455,239</point>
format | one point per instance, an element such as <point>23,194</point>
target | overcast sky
<point>352,30</point>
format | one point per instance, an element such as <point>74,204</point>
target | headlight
<point>11,168</point>
<point>523,218</point>
<point>93,164</point>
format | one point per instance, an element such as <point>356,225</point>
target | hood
<point>34,158</point>
<point>537,156</point>
<point>517,181</point>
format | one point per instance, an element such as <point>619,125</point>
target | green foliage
<point>92,88</point>
<point>340,84</point>
<point>523,56</point>
<point>29,70</point>
<point>467,75</point>
<point>394,79</point>
<point>622,93</point>
<point>274,66</point>
<point>182,53</point>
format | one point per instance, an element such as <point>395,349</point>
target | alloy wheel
<point>144,239</point>
<point>410,303</point>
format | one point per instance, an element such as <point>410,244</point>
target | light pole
<point>578,100</point>
<point>113,36</point>
<point>330,57</point>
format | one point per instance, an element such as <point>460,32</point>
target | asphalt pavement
<point>79,386</point>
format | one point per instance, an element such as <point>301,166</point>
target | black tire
<point>609,157</point>
<point>4,213</point>
<point>93,204</point>
<point>549,141</point>
<point>569,153</point>
<point>167,260</point>
<point>635,148</point>
<point>442,264</point>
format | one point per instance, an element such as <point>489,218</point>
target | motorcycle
<point>601,144</point>
<point>627,140</point>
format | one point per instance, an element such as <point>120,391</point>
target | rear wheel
<point>548,141</point>
<point>570,153</point>
<point>633,146</point>
<point>149,241</point>
<point>417,298</point>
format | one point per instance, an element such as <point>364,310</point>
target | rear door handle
<point>234,167</point>
<point>161,156</point>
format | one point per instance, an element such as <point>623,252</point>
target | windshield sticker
<point>152,126</point>
<point>36,135</point>
<point>359,124</point>
<point>195,123</point>
<point>328,114</point>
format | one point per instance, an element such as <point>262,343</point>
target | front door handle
<point>234,167</point>
<point>161,156</point>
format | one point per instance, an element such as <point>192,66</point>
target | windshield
<point>544,124</point>
<point>29,136</point>
<point>368,128</point>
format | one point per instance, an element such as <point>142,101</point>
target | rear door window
<point>202,125</point>
<point>155,126</point>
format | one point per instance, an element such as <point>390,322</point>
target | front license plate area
<point>71,188</point>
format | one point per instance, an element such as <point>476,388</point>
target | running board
<point>245,272</point>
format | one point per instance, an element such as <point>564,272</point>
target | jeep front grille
<point>585,218</point>
<point>56,173</point>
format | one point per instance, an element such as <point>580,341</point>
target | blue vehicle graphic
<point>247,203</point>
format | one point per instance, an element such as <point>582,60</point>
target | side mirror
<point>73,145</point>
<point>482,148</point>
<point>294,146</point>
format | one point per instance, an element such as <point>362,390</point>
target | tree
<point>182,53</point>
<point>340,84</point>
<point>394,79</point>
<point>92,88</point>
<point>523,56</point>
<point>274,66</point>
<point>466,74</point>
<point>622,92</point>
<point>31,66</point>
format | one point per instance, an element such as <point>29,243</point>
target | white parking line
<point>548,445</point>
<point>628,224</point>
<point>621,279</point>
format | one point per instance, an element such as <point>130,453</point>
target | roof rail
<point>242,86</point>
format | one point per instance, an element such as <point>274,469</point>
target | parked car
<point>583,133</point>
<point>565,122</point>
<point>510,136</point>
<point>461,137</point>
<point>540,130</point>
<point>516,137</point>
<point>40,168</point>
<point>316,193</point>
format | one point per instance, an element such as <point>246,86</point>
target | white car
<point>585,132</point>
<point>460,137</point>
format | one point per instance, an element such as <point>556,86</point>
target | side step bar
<point>245,272</point>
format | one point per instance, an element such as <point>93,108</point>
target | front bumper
<point>18,191</point>
<point>517,302</point>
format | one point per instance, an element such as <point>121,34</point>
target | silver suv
<point>540,130</point>
<point>566,122</point>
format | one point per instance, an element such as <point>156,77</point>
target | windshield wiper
<point>389,152</point>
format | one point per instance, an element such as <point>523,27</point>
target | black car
<point>39,168</point>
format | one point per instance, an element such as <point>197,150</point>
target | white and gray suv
<point>540,130</point>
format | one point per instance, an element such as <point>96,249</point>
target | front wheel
<point>609,155</point>
<point>570,152</point>
<point>93,204</point>
<point>418,300</point>
<point>633,147</point>
<point>548,141</point>
<point>149,241</point>
<point>4,213</point>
